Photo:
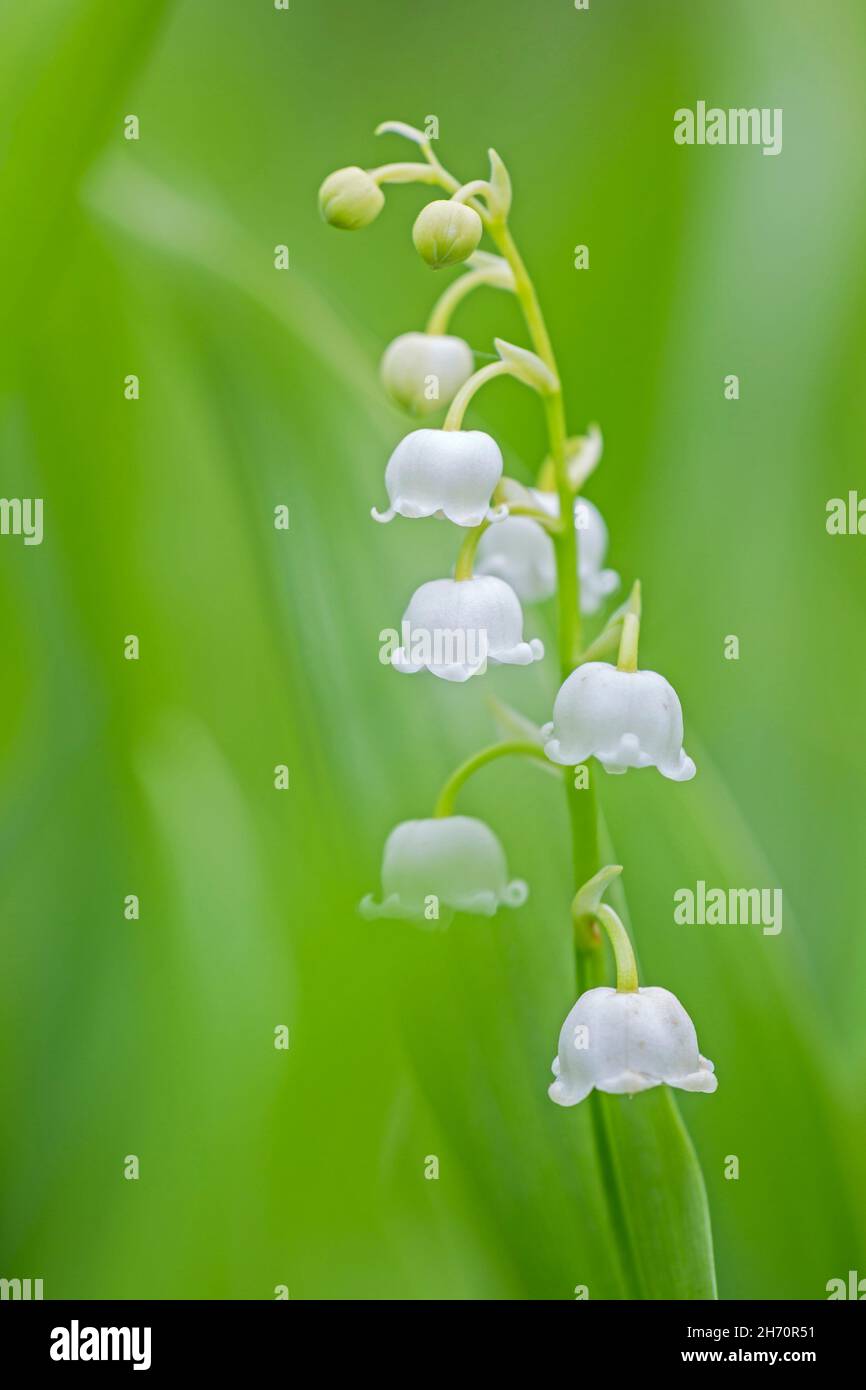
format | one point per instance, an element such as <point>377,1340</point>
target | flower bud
<point>446,233</point>
<point>423,371</point>
<point>350,199</point>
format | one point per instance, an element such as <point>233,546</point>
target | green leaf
<point>664,1198</point>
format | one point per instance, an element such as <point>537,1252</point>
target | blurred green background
<point>258,388</point>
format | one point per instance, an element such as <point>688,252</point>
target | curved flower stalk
<point>454,627</point>
<point>517,545</point>
<point>455,863</point>
<point>482,270</point>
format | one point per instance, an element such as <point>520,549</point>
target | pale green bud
<point>446,233</point>
<point>350,199</point>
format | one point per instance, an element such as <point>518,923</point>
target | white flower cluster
<point>452,627</point>
<point>452,475</point>
<point>617,1040</point>
<point>517,549</point>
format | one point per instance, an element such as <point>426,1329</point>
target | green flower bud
<point>446,233</point>
<point>350,198</point>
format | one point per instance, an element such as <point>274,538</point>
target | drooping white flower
<point>454,627</point>
<point>625,718</point>
<point>520,551</point>
<point>596,583</point>
<point>454,863</point>
<point>450,473</point>
<point>627,1041</point>
<point>423,371</point>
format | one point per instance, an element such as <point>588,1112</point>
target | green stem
<point>466,554</point>
<point>468,191</point>
<point>511,748</point>
<point>582,808</point>
<point>568,609</point>
<point>447,180</point>
<point>582,812</point>
<point>403,173</point>
<point>458,407</point>
<point>626,967</point>
<point>456,293</point>
<point>525,291</point>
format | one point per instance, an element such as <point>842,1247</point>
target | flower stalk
<point>582,807</point>
<point>460,403</point>
<point>620,716</point>
<point>456,292</point>
<point>509,748</point>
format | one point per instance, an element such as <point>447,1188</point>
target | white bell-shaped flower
<point>627,1041</point>
<point>454,627</point>
<point>625,718</point>
<point>596,582</point>
<point>450,473</point>
<point>520,551</point>
<point>450,863</point>
<point>423,371</point>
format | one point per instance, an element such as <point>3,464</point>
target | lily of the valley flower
<point>454,863</point>
<point>350,199</point>
<point>623,1042</point>
<point>625,718</point>
<point>596,583</point>
<point>423,371</point>
<point>454,627</point>
<point>446,232</point>
<point>450,473</point>
<point>520,551</point>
